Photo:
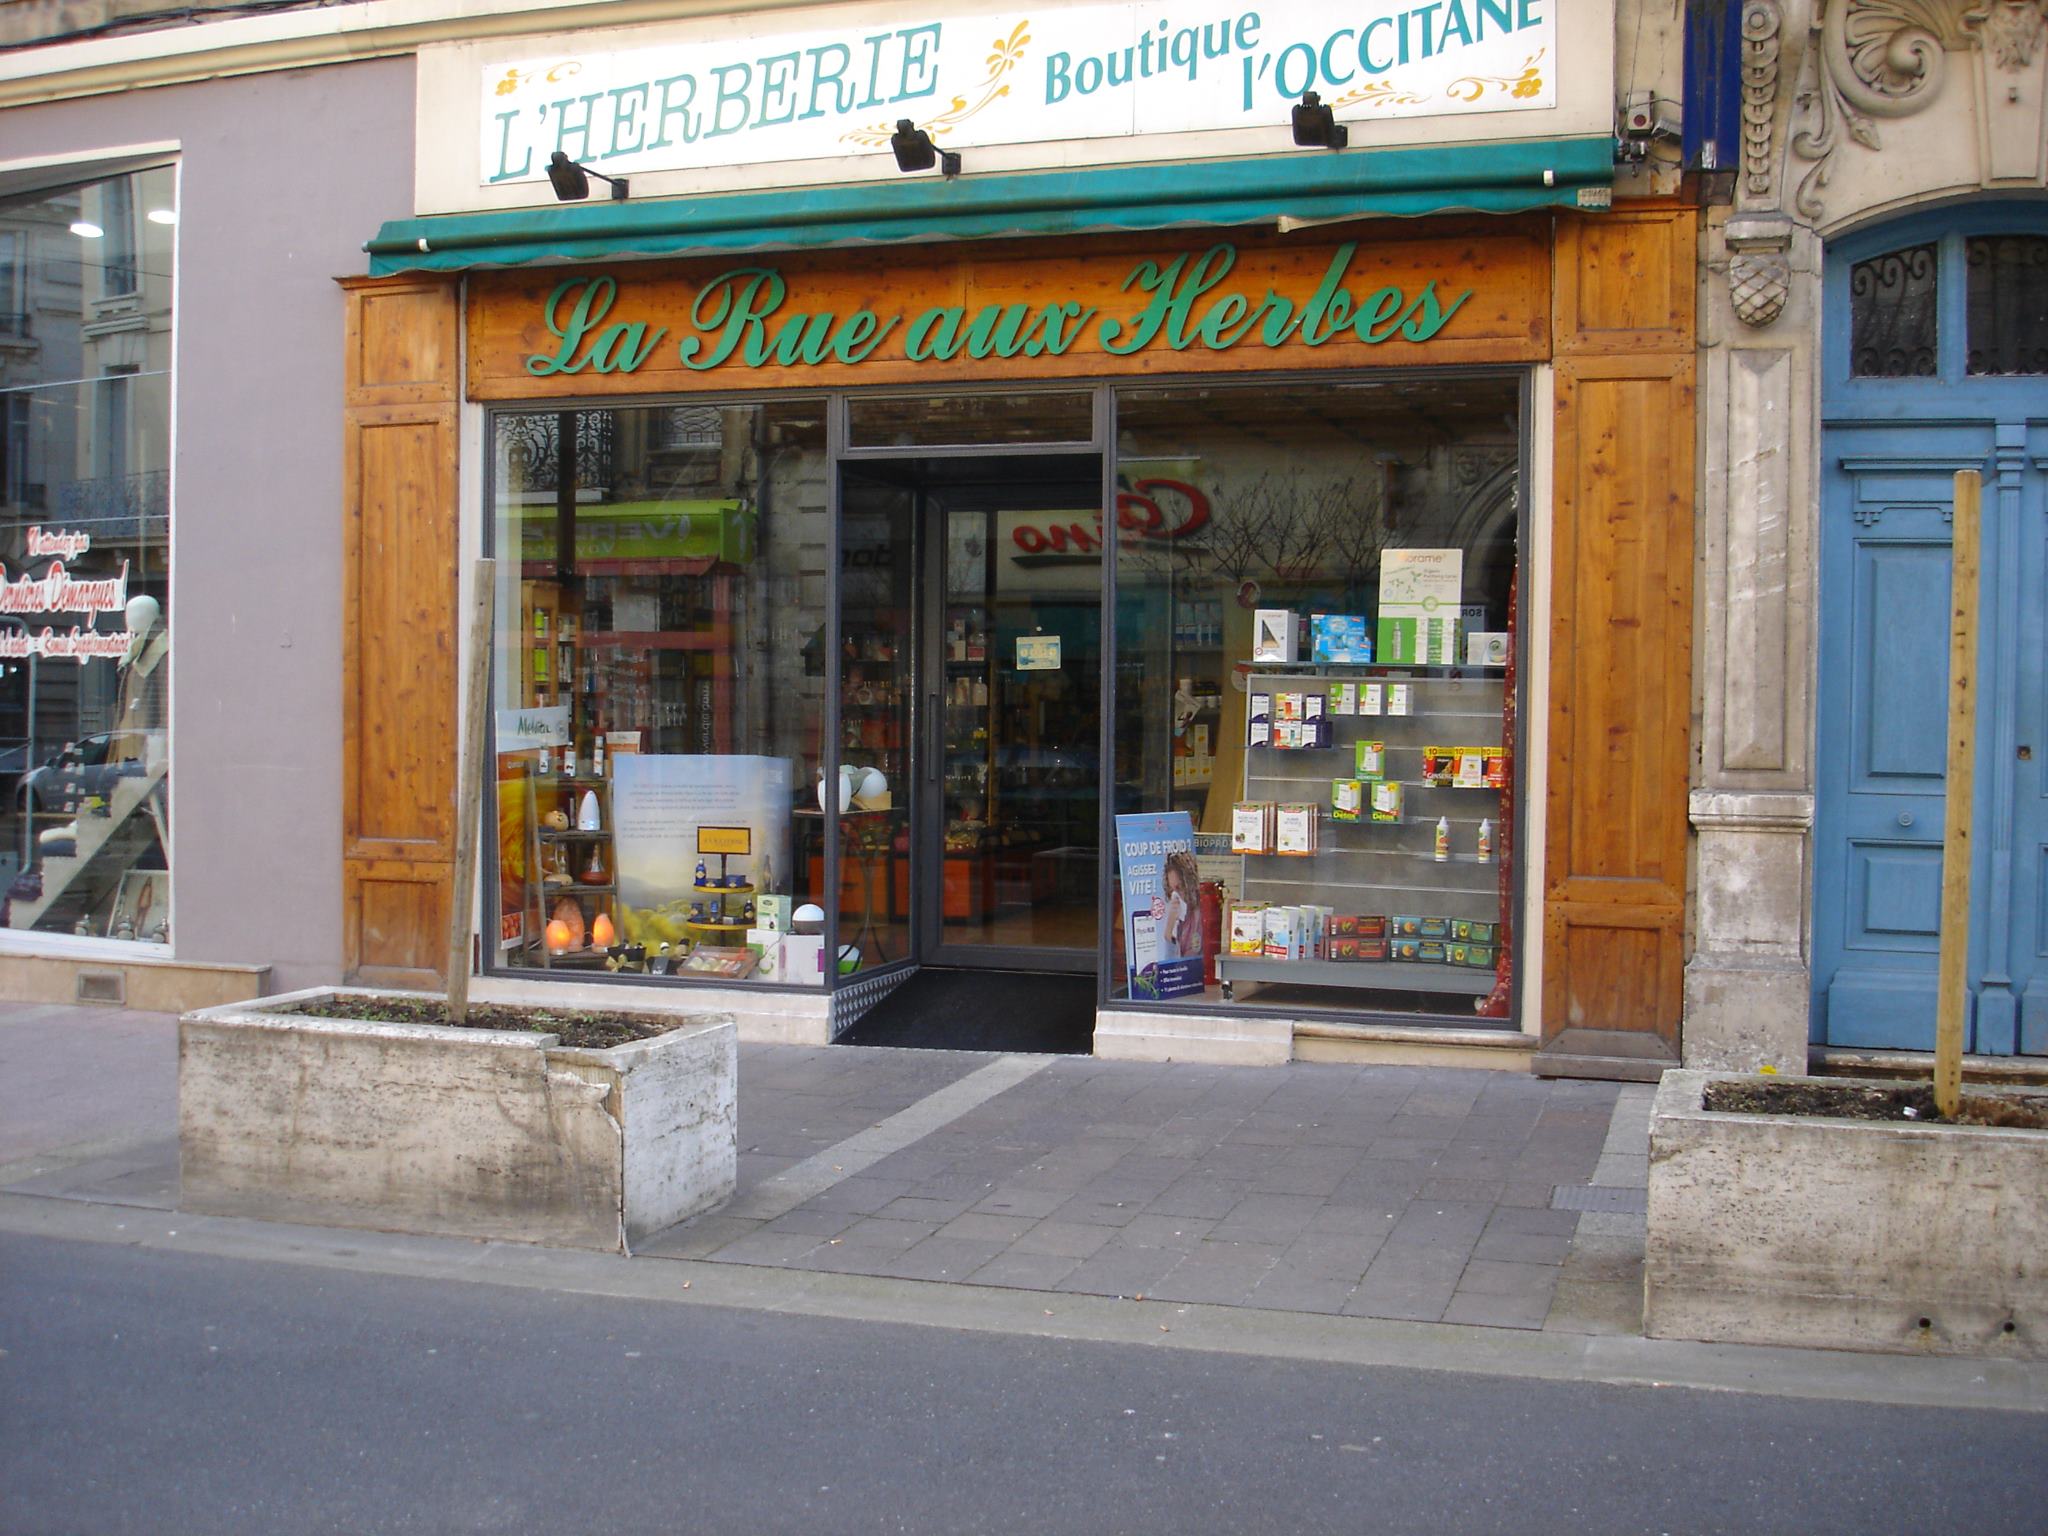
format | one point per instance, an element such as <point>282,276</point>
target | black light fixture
<point>1316,126</point>
<point>915,150</point>
<point>572,181</point>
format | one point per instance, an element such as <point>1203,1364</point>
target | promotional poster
<point>1162,904</point>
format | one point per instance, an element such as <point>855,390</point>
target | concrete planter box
<point>1844,1234</point>
<point>460,1132</point>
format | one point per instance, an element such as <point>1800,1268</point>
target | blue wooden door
<point>1900,423</point>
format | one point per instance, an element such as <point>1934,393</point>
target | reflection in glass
<point>921,421</point>
<point>2007,304</point>
<point>1381,878</point>
<point>660,675</point>
<point>1892,319</point>
<point>84,553</point>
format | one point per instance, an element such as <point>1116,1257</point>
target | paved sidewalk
<point>1424,1194</point>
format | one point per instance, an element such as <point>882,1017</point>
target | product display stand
<point>720,924</point>
<point>568,850</point>
<point>1383,868</point>
<point>856,850</point>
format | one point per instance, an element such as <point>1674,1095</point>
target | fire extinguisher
<point>1212,929</point>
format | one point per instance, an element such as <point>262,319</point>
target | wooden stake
<point>1953,995</point>
<point>470,787</point>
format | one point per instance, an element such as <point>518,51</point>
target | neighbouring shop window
<point>1892,314</point>
<point>85,373</point>
<point>2007,304</point>
<point>1316,751</point>
<point>661,669</point>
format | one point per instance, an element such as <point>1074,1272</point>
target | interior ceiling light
<point>1316,126</point>
<point>163,215</point>
<point>915,150</point>
<point>572,181</point>
<point>85,229</point>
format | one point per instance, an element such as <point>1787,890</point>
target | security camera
<point>1642,122</point>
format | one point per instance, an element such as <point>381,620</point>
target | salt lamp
<point>601,934</point>
<point>558,937</point>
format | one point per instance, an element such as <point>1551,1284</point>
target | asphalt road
<point>166,1393</point>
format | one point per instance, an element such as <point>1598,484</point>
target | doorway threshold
<point>1016,1012</point>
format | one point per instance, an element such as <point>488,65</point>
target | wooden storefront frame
<point>1613,314</point>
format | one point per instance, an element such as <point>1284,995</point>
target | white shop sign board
<point>829,82</point>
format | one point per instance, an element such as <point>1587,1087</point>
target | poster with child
<point>1162,904</point>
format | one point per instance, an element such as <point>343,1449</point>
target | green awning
<point>1507,177</point>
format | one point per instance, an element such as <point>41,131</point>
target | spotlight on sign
<point>1316,126</point>
<point>915,150</point>
<point>572,181</point>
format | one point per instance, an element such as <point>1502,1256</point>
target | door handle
<point>935,737</point>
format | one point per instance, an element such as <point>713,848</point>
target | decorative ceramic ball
<point>849,959</point>
<point>808,918</point>
<point>872,786</point>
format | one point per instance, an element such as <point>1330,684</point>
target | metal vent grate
<point>103,987</point>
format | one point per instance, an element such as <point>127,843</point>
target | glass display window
<point>1316,745</point>
<point>86,331</point>
<point>660,680</point>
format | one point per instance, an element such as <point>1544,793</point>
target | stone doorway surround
<point>1824,87</point>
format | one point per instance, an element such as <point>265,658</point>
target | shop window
<point>2007,304</point>
<point>1317,764</point>
<point>659,690</point>
<point>1892,314</point>
<point>84,563</point>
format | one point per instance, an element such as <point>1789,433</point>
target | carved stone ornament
<point>1761,25</point>
<point>1758,285</point>
<point>2010,30</point>
<point>1874,59</point>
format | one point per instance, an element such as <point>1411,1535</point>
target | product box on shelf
<point>1429,641</point>
<point>1259,720</point>
<point>1386,801</point>
<point>1470,931</point>
<point>1419,927</point>
<point>1276,636</point>
<point>1287,705</point>
<point>1248,928</point>
<point>1251,827</point>
<point>1339,637</point>
<point>1372,698</point>
<point>1478,956</point>
<point>1400,699</point>
<point>1343,698</point>
<point>1294,830</point>
<point>1370,759</point>
<point>771,913</point>
<point>1347,800</point>
<point>1486,648</point>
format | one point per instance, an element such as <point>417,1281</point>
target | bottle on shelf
<point>1485,841</point>
<point>569,758</point>
<point>1443,839</point>
<point>597,755</point>
<point>547,760</point>
<point>703,874</point>
<point>594,871</point>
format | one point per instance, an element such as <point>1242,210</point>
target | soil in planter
<point>1864,1101</point>
<point>584,1031</point>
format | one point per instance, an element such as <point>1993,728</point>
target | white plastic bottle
<point>1443,839</point>
<point>1485,842</point>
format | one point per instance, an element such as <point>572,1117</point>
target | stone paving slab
<point>1392,1192</point>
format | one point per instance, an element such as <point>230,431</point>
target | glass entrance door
<point>1011,831</point>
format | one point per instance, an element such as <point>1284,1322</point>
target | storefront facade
<point>1875,323</point>
<point>1038,571</point>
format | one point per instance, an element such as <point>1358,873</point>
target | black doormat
<point>1042,1012</point>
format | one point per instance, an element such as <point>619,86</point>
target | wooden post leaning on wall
<point>1952,1001</point>
<point>400,531</point>
<point>1620,708</point>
